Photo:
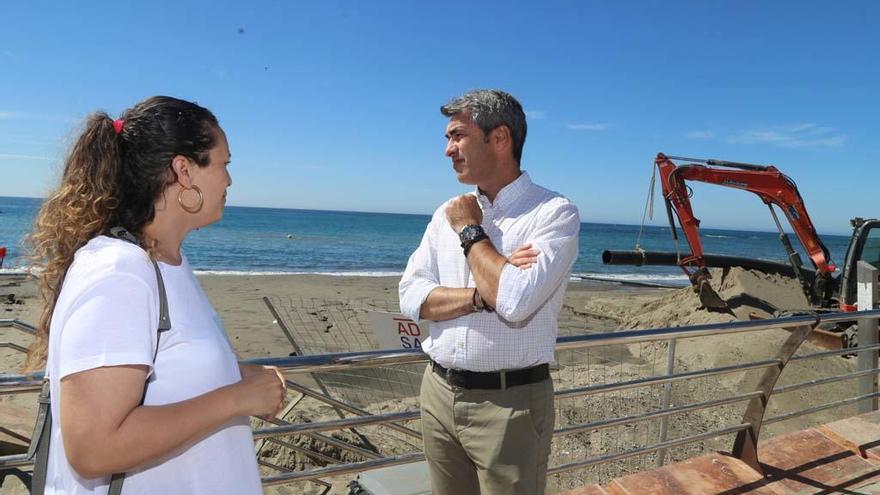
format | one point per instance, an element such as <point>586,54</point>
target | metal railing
<point>747,432</point>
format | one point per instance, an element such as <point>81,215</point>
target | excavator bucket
<point>708,297</point>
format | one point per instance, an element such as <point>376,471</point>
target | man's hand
<point>463,210</point>
<point>523,257</point>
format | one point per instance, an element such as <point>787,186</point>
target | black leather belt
<point>492,380</point>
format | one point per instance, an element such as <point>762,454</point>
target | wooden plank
<point>708,474</point>
<point>860,434</point>
<point>807,461</point>
<point>587,490</point>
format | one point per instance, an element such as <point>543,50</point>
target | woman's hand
<point>523,257</point>
<point>101,407</point>
<point>262,390</point>
<point>247,370</point>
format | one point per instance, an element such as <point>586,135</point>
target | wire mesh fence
<point>320,326</point>
<point>324,326</point>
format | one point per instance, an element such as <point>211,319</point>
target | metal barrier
<point>747,431</point>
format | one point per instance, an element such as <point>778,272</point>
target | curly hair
<point>112,178</point>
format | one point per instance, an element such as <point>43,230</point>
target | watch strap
<point>468,244</point>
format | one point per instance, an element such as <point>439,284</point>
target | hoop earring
<point>191,209</point>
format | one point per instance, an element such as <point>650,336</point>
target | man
<point>490,273</point>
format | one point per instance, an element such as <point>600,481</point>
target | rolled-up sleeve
<point>421,274</point>
<point>522,292</point>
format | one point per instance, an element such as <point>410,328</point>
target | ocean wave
<point>633,277</point>
<point>25,270</point>
<point>330,274</point>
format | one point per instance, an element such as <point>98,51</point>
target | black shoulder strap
<point>164,324</point>
<point>39,447</point>
<point>164,319</point>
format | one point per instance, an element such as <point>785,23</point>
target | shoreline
<point>639,280</point>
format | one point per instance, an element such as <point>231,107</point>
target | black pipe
<point>639,258</point>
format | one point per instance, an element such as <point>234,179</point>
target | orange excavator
<point>822,288</point>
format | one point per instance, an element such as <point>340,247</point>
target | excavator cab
<point>864,245</point>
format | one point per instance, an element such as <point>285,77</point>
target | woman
<point>159,171</point>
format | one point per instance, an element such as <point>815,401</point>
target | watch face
<point>470,232</point>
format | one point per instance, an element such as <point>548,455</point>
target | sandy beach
<point>589,307</point>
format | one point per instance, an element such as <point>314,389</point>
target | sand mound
<point>747,292</point>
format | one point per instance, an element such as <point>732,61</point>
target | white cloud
<point>806,135</point>
<point>700,135</point>
<point>9,156</point>
<point>587,127</point>
<point>536,114</point>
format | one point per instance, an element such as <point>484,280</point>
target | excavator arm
<point>769,184</point>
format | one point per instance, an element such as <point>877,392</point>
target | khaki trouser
<point>489,442</point>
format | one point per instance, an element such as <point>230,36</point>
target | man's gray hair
<point>490,108</point>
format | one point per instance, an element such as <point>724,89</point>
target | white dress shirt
<point>522,330</point>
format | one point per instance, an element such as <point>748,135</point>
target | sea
<point>263,241</point>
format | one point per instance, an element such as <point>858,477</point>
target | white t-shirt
<point>107,315</point>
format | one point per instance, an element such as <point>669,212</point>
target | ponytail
<point>76,212</point>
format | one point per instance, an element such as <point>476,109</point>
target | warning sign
<point>396,331</point>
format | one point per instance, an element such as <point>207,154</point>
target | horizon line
<point>429,214</point>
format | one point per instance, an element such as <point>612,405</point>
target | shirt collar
<point>508,194</point>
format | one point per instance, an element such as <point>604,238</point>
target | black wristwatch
<point>470,235</point>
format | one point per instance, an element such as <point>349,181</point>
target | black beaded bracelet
<point>477,303</point>
<point>467,245</point>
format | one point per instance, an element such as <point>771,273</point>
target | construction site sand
<point>749,294</point>
<point>588,308</point>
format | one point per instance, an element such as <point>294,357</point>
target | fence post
<point>664,405</point>
<point>867,300</point>
<point>745,447</point>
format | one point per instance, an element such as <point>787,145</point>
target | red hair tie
<point>117,125</point>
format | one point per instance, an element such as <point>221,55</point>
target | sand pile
<point>747,292</point>
<point>750,294</point>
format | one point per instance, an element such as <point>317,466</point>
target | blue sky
<point>334,105</point>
